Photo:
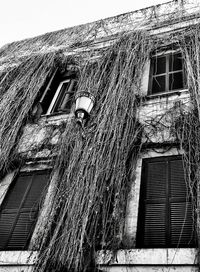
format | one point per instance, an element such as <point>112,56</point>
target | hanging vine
<point>90,176</point>
<point>92,183</point>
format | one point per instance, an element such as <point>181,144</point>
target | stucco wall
<point>48,128</point>
<point>143,268</point>
<point>132,260</point>
<point>17,261</point>
<point>148,260</point>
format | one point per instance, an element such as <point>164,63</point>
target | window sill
<point>18,257</point>
<point>166,94</point>
<point>56,117</point>
<point>158,256</point>
<point>161,256</point>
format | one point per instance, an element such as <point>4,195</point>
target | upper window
<point>165,210</point>
<point>18,212</point>
<point>59,95</point>
<point>166,73</point>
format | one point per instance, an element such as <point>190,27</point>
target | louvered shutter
<point>153,204</point>
<point>165,211</point>
<point>19,210</point>
<point>181,215</point>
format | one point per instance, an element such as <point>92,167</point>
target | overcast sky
<point>20,19</point>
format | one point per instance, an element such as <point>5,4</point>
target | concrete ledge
<point>158,256</point>
<point>17,258</point>
<point>144,268</point>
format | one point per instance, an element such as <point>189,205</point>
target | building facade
<point>120,192</point>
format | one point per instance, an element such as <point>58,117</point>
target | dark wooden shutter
<point>19,210</point>
<point>165,211</point>
<point>181,215</point>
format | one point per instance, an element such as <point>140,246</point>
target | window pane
<point>158,85</point>
<point>175,62</point>
<point>46,101</point>
<point>67,102</point>
<point>61,96</point>
<point>159,65</point>
<point>176,81</point>
<point>65,98</point>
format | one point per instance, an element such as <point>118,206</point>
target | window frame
<point>167,72</point>
<point>10,181</point>
<point>70,90</point>
<point>141,207</point>
<point>51,90</point>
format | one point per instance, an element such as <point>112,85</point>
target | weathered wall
<point>149,260</point>
<point>47,128</point>
<point>17,261</point>
<point>165,17</point>
<point>35,134</point>
<point>157,268</point>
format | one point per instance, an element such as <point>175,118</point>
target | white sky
<point>20,19</point>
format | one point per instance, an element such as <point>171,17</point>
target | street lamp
<point>84,104</point>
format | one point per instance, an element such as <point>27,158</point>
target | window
<point>59,94</point>
<point>62,100</point>
<point>165,211</point>
<point>166,73</point>
<point>18,212</point>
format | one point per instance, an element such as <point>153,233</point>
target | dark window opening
<point>165,210</point>
<point>174,81</point>
<point>18,213</point>
<point>59,94</point>
<point>166,73</point>
<point>64,99</point>
<point>49,92</point>
<point>158,84</point>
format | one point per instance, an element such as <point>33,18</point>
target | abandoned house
<point>100,145</point>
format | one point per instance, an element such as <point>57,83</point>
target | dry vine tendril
<point>91,176</point>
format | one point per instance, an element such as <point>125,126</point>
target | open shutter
<point>65,97</point>
<point>19,210</point>
<point>165,210</point>
<point>49,91</point>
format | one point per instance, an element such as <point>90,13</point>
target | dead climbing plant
<point>20,86</point>
<point>91,175</point>
<point>87,205</point>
